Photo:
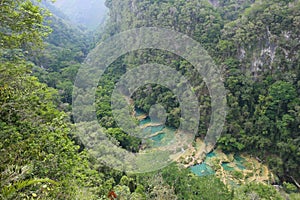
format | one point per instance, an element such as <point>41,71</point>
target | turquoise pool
<point>227,167</point>
<point>211,155</point>
<point>153,129</point>
<point>145,121</point>
<point>239,161</point>
<point>202,169</point>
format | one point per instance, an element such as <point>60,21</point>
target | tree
<point>21,25</point>
<point>256,191</point>
<point>35,136</point>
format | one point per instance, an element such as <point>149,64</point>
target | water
<point>157,140</point>
<point>150,130</point>
<point>139,112</point>
<point>239,161</point>
<point>166,136</point>
<point>145,121</point>
<point>202,169</point>
<point>227,167</point>
<point>153,129</point>
<point>158,137</point>
<point>211,155</point>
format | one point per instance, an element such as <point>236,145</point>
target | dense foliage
<point>38,157</point>
<point>261,59</point>
<point>257,46</point>
<point>258,52</point>
<point>64,50</point>
<point>256,43</point>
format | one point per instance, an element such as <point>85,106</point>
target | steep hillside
<point>65,49</point>
<point>90,14</point>
<point>38,158</point>
<point>257,46</point>
<point>260,52</point>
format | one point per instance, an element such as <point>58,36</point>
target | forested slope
<point>64,50</point>
<point>35,148</point>
<point>261,57</point>
<point>256,44</point>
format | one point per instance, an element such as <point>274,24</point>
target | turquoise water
<point>138,112</point>
<point>149,129</point>
<point>145,121</point>
<point>157,140</point>
<point>227,167</point>
<point>166,136</point>
<point>239,161</point>
<point>211,155</point>
<point>153,129</point>
<point>202,169</point>
<point>158,137</point>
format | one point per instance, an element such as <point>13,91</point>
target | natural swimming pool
<point>165,133</point>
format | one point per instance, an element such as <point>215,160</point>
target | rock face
<point>264,55</point>
<point>266,44</point>
<point>90,14</point>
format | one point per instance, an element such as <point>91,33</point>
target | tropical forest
<point>150,99</point>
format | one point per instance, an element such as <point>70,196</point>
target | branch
<point>297,184</point>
